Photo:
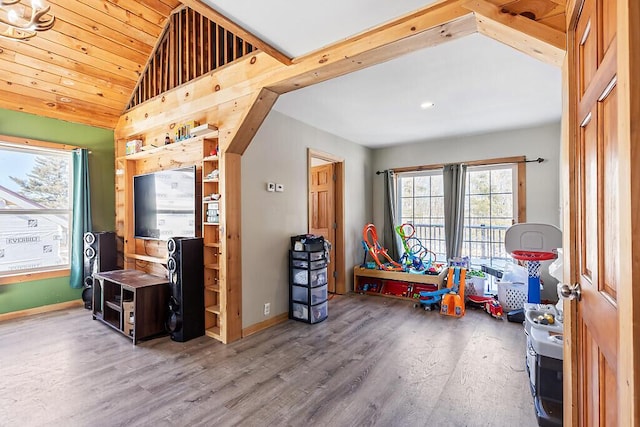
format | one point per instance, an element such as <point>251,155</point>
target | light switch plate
<point>271,186</point>
<point>279,188</point>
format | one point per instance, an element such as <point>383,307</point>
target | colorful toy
<point>451,298</point>
<point>375,249</point>
<point>533,243</point>
<point>414,251</point>
<point>490,304</point>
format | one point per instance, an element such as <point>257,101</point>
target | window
<point>421,203</point>
<point>35,208</point>
<point>491,206</point>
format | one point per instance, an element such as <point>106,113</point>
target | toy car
<point>489,304</point>
<point>494,308</point>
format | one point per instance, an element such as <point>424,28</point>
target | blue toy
<point>453,293</point>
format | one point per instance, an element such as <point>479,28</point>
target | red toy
<point>494,308</point>
<point>489,304</point>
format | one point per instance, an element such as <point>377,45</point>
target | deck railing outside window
<point>482,244</point>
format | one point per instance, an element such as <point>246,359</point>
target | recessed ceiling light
<point>426,105</point>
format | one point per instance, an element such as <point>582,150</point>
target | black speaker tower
<point>100,254</point>
<point>186,278</point>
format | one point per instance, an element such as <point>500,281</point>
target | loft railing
<point>191,46</point>
<point>482,243</point>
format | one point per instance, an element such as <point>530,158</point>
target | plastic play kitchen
<point>543,326</point>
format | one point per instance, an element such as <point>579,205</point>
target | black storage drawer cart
<point>308,296</point>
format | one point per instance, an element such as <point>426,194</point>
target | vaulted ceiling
<point>86,68</point>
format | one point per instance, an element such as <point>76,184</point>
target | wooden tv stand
<point>132,302</point>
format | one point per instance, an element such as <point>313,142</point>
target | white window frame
<point>40,147</point>
<point>430,235</point>
<point>493,248</point>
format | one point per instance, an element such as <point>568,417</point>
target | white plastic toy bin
<point>512,296</point>
<point>475,286</point>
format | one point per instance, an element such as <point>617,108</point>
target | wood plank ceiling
<point>87,67</point>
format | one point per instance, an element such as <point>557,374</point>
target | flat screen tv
<point>164,204</point>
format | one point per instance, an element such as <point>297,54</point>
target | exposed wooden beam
<point>349,63</point>
<point>437,24</point>
<point>229,25</point>
<point>533,38</point>
<point>406,26</point>
<point>260,106</point>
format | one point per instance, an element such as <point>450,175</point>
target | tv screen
<point>164,204</point>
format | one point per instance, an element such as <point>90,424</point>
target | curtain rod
<point>475,163</point>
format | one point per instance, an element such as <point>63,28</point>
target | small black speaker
<point>100,254</point>
<point>186,278</point>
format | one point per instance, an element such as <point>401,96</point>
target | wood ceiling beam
<point>206,11</point>
<point>427,27</point>
<point>259,106</point>
<point>350,62</point>
<point>533,38</point>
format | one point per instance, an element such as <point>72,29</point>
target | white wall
<point>278,153</point>
<point>543,181</point>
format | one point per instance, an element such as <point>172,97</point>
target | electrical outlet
<point>271,186</point>
<point>267,308</point>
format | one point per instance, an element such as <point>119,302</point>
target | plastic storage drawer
<point>308,243</point>
<point>313,265</point>
<point>307,256</point>
<point>311,278</point>
<point>310,314</point>
<point>302,294</point>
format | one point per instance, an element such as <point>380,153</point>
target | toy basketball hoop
<point>533,243</point>
<point>533,255</point>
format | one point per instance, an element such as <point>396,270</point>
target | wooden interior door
<point>322,211</point>
<point>593,365</point>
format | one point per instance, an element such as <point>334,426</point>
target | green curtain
<point>81,215</point>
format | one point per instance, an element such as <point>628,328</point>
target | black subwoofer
<point>186,278</point>
<point>100,254</point>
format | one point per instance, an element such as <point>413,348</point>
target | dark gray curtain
<point>390,238</point>
<point>454,177</point>
<point>81,215</point>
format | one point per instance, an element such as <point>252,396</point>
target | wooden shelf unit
<point>121,296</point>
<point>222,266</point>
<point>155,259</point>
<point>394,284</point>
<point>211,235</point>
<point>174,147</point>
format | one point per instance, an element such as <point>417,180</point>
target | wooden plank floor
<point>374,361</point>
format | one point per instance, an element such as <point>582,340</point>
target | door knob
<point>571,292</point>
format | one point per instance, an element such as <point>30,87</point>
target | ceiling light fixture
<point>426,105</point>
<point>17,23</point>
